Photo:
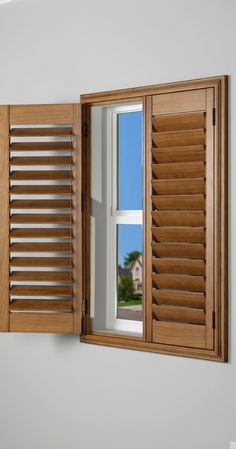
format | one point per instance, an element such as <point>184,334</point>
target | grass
<point>132,302</point>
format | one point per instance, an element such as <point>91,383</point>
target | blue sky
<point>129,179</point>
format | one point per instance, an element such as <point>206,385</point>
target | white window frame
<point>114,218</point>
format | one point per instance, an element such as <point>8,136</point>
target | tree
<point>125,289</point>
<point>131,257</point>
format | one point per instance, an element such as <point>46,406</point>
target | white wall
<point>56,393</point>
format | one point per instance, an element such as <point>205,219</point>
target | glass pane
<point>129,157</point>
<point>129,272</point>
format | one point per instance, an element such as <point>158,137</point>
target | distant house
<point>133,270</point>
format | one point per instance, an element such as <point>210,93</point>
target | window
<point>117,217</point>
<point>183,255</point>
<point>114,218</point>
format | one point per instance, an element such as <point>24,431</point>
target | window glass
<point>129,160</point>
<point>129,272</point>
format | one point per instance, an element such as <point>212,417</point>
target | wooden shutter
<point>40,218</point>
<point>183,227</point>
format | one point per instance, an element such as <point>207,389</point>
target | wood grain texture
<point>56,262</point>
<point>40,146</point>
<point>41,175</point>
<point>178,186</point>
<point>177,102</point>
<point>177,122</point>
<point>40,132</point>
<point>178,314</point>
<point>40,218</point>
<point>178,234</point>
<point>41,114</point>
<point>179,282</point>
<point>47,276</point>
<point>179,202</point>
<point>179,266</point>
<point>49,160</point>
<point>4,218</point>
<point>77,221</point>
<point>179,298</point>
<point>178,138</point>
<point>148,217</point>
<point>189,250</point>
<point>60,323</point>
<point>179,334</point>
<point>40,247</point>
<point>55,233</point>
<point>36,305</point>
<point>178,218</point>
<point>40,290</point>
<point>41,190</point>
<point>137,92</point>
<point>194,153</point>
<point>40,204</point>
<point>180,170</point>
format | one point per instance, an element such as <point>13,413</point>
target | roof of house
<point>124,272</point>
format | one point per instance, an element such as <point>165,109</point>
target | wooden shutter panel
<point>182,225</point>
<point>40,191</point>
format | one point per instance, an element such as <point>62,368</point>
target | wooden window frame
<point>219,84</point>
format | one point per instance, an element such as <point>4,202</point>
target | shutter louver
<point>182,154</point>
<point>44,218</point>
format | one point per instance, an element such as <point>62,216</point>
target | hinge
<point>213,320</point>
<point>213,116</point>
<point>84,129</point>
<point>84,307</point>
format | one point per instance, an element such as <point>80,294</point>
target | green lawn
<point>132,302</point>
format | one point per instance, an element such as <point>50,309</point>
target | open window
<point>114,218</point>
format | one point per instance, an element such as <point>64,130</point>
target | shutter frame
<point>215,339</point>
<point>44,315</point>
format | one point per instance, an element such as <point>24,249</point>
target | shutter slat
<point>178,314</point>
<point>179,202</point>
<point>178,234</point>
<point>56,160</point>
<point>179,218</point>
<point>195,153</point>
<point>179,122</point>
<point>40,204</point>
<point>40,290</point>
<point>179,266</point>
<point>179,138</point>
<point>54,233</point>
<point>24,305</point>
<point>179,170</point>
<point>178,186</point>
<point>40,132</point>
<point>41,190</point>
<point>180,298</point>
<point>179,282</point>
<point>191,250</point>
<point>40,146</point>
<point>56,262</point>
<point>40,219</point>
<point>40,247</point>
<point>42,175</point>
<point>47,276</point>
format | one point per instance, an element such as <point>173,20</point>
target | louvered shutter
<point>41,253</point>
<point>181,278</point>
